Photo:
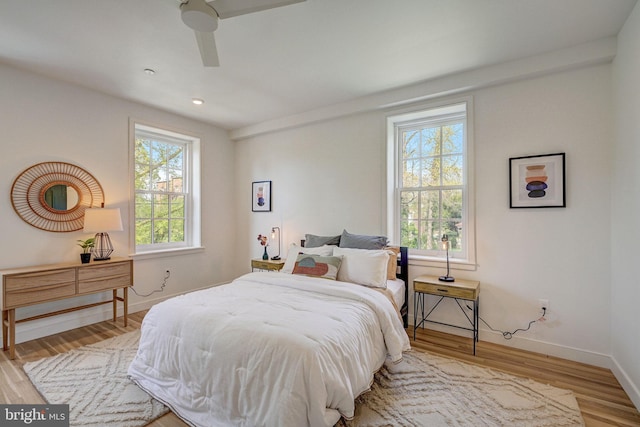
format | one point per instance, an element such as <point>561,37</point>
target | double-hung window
<point>430,181</point>
<point>166,190</point>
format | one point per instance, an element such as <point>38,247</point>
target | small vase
<point>265,255</point>
<point>85,258</point>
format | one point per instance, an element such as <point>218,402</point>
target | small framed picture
<point>261,196</point>
<point>537,181</point>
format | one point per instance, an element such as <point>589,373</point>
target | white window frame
<point>436,113</point>
<point>191,183</point>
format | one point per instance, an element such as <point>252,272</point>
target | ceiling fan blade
<point>208,50</point>
<point>229,8</point>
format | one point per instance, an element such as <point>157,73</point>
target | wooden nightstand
<point>266,264</point>
<point>467,290</point>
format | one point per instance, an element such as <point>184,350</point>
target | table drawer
<point>265,265</point>
<point>447,291</point>
<point>104,277</point>
<point>33,288</point>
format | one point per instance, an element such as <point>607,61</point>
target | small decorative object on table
<point>445,247</point>
<point>86,246</point>
<point>263,241</point>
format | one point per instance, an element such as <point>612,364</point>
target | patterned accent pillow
<point>325,267</point>
<point>295,250</point>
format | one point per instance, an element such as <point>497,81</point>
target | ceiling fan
<point>202,17</point>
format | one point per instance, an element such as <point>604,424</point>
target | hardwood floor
<point>602,401</point>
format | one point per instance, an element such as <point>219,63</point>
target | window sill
<point>456,264</point>
<point>168,252</point>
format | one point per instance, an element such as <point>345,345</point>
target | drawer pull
<point>443,290</point>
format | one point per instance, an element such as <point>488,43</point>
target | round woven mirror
<point>52,196</point>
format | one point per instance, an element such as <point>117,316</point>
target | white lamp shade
<point>100,220</point>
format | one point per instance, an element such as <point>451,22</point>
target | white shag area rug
<point>423,390</point>
<point>93,381</point>
<point>429,390</point>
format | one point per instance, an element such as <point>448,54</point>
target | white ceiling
<point>289,60</point>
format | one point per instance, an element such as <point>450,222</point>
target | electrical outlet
<point>543,305</point>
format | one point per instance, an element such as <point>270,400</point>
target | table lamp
<point>101,221</point>
<point>273,237</point>
<point>445,247</point>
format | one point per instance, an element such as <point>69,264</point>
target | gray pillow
<point>358,241</point>
<point>313,241</point>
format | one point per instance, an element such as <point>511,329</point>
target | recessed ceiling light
<point>197,101</point>
<point>149,71</point>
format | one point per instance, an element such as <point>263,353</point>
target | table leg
<point>5,329</point>
<point>12,334</point>
<point>422,308</point>
<point>478,319</point>
<point>115,304</point>
<point>476,315</point>
<point>415,314</point>
<point>125,298</point>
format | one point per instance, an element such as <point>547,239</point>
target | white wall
<point>559,254</point>
<point>46,120</point>
<point>331,175</point>
<point>625,194</point>
<point>325,177</point>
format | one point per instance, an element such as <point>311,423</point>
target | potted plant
<point>86,246</point>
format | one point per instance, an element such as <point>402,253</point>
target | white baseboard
<point>626,382</point>
<point>536,346</point>
<point>550,349</point>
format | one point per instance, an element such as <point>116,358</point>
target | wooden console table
<point>27,286</point>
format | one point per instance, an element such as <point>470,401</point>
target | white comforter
<point>269,349</point>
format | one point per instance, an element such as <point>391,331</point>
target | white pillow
<point>294,250</point>
<point>362,266</point>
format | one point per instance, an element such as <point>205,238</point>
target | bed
<point>271,348</point>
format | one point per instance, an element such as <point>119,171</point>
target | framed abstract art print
<point>537,181</point>
<point>261,196</point>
